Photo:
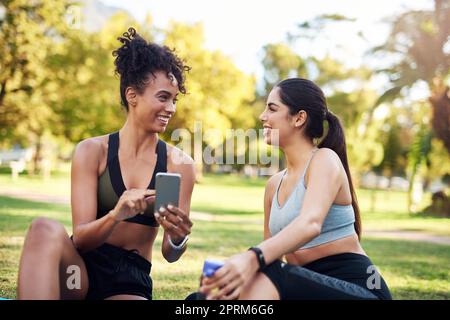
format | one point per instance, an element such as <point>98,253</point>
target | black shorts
<point>113,271</point>
<point>341,276</point>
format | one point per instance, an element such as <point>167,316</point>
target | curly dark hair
<point>137,58</point>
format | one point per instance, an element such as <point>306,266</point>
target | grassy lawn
<point>230,195</point>
<point>412,270</point>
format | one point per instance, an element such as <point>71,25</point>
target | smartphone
<point>167,189</point>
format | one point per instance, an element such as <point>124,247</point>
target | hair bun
<point>129,35</point>
<point>136,59</point>
<point>129,55</point>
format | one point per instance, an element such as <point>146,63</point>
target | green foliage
<point>72,91</point>
<point>417,45</point>
<point>281,62</point>
<point>438,159</point>
<point>351,105</point>
<point>28,30</point>
<point>219,94</point>
<point>87,101</point>
<point>414,35</point>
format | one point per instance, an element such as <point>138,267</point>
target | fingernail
<point>156,215</point>
<point>170,206</point>
<point>161,209</point>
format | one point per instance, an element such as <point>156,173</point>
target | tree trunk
<point>440,103</point>
<point>37,156</point>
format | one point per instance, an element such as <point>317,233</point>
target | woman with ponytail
<point>312,228</point>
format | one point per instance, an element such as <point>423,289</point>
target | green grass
<point>231,195</point>
<point>171,281</point>
<point>413,270</point>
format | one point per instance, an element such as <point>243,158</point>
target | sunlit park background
<point>384,66</point>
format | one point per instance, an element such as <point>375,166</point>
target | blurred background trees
<point>419,46</point>
<point>57,87</point>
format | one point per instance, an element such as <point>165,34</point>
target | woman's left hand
<point>231,278</point>
<point>175,222</point>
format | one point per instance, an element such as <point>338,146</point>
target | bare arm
<point>325,177</point>
<point>187,171</point>
<point>88,233</point>
<point>324,184</point>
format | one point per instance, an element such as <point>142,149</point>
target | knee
<point>46,231</point>
<point>260,288</point>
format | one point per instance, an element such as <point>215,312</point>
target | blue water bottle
<point>211,266</point>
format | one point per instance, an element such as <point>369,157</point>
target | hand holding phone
<point>167,189</point>
<point>174,220</point>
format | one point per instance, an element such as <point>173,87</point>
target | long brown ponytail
<point>335,140</point>
<point>302,94</point>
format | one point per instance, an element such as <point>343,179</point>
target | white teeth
<point>163,118</point>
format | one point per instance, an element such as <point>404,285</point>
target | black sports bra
<point>111,185</point>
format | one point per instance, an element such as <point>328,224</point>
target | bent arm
<point>187,171</point>
<point>88,232</point>
<point>324,184</point>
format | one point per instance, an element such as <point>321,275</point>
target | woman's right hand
<point>132,202</point>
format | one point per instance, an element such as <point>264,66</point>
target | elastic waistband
<point>340,257</point>
<point>120,253</point>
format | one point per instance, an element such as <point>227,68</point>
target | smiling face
<point>279,125</point>
<point>154,107</point>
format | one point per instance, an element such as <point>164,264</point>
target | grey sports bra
<point>337,224</point>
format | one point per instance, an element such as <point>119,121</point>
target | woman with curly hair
<point>112,189</point>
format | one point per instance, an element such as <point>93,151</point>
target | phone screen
<point>167,189</point>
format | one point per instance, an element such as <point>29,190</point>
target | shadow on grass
<point>423,294</point>
<point>11,246</point>
<point>16,215</point>
<point>15,203</point>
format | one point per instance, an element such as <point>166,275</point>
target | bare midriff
<point>130,236</point>
<point>348,244</point>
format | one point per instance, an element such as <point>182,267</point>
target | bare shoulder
<point>327,163</point>
<point>91,151</point>
<point>326,158</point>
<point>94,145</point>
